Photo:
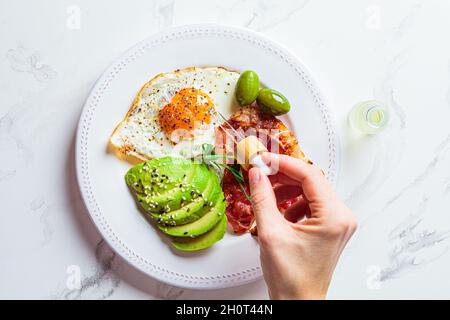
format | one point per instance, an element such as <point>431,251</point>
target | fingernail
<point>265,156</point>
<point>271,163</point>
<point>254,176</point>
<point>258,162</point>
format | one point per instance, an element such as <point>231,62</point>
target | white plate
<point>234,260</point>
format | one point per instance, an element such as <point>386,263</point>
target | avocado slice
<point>189,212</point>
<point>205,240</point>
<point>181,216</point>
<point>215,193</point>
<point>166,184</point>
<point>184,192</point>
<point>200,226</point>
<point>144,177</point>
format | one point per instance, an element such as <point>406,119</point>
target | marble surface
<point>398,183</point>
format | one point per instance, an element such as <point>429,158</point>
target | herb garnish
<point>210,158</point>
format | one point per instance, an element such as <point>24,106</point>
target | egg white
<point>140,134</point>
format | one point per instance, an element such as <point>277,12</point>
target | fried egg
<point>175,113</point>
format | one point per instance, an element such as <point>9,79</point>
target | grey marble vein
<point>408,225</point>
<point>429,169</point>
<point>389,145</point>
<point>25,60</point>
<point>102,283</point>
<point>168,292</point>
<point>264,14</point>
<point>419,179</point>
<point>16,136</point>
<point>6,175</point>
<point>386,89</point>
<point>40,207</point>
<point>47,228</point>
<point>37,203</point>
<point>447,186</point>
<point>405,24</point>
<point>14,142</point>
<point>398,109</point>
<point>409,243</point>
<point>163,11</point>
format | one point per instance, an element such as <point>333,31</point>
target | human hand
<point>299,252</point>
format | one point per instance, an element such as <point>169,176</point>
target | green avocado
<point>185,199</point>
<point>145,178</point>
<point>200,226</point>
<point>193,210</point>
<point>185,214</point>
<point>188,189</point>
<point>166,184</point>
<point>205,240</point>
<point>215,193</point>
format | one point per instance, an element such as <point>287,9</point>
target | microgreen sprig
<point>210,158</point>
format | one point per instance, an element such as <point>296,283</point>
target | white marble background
<point>51,53</point>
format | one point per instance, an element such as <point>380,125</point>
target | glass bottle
<point>369,117</point>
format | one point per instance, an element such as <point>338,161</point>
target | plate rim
<point>82,173</point>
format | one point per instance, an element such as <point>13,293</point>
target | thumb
<point>263,200</point>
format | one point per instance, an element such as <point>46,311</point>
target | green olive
<point>247,88</point>
<point>272,101</point>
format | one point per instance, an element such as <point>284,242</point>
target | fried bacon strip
<point>277,138</point>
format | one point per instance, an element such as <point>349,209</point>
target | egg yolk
<point>188,109</point>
